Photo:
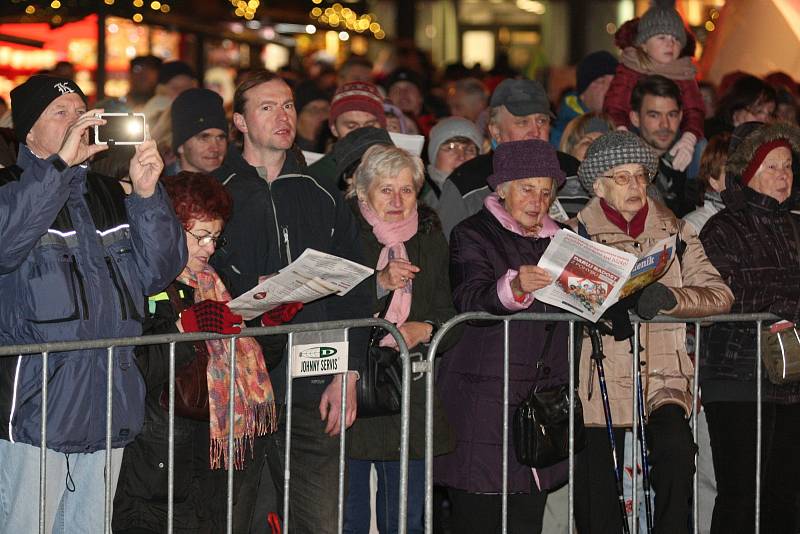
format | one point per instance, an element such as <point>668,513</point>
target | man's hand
<point>146,166</point>
<point>530,278</point>
<point>330,404</point>
<point>396,274</point>
<point>76,148</point>
<point>415,332</point>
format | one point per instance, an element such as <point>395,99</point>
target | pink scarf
<point>496,208</point>
<point>393,235</point>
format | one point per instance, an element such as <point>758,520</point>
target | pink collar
<point>495,207</point>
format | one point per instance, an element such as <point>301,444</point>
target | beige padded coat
<point>666,368</point>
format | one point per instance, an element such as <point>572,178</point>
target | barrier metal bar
<point>504,507</point>
<point>109,431</point>
<point>43,449</point>
<point>231,439</point>
<point>342,421</point>
<point>571,472</point>
<point>634,432</point>
<point>171,442</point>
<point>695,416</point>
<point>759,392</point>
<point>288,440</point>
<point>758,318</point>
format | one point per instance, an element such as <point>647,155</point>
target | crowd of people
<point>231,186</point>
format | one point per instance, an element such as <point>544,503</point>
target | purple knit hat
<point>533,158</point>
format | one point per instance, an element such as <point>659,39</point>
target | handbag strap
<point>374,334</point>
<point>796,236</point>
<point>551,330</point>
<point>177,303</point>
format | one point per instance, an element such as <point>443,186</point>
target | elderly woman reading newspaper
<point>493,268</point>
<point>617,170</point>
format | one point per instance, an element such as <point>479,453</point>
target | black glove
<point>653,299</point>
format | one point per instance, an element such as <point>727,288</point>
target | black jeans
<point>314,471</point>
<point>671,450</point>
<point>477,513</point>
<point>732,429</point>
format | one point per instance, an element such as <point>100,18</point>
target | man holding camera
<point>76,259</point>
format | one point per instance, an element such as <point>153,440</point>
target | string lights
<point>245,8</point>
<point>57,9</point>
<point>344,18</point>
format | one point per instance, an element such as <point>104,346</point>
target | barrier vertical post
<point>231,440</point>
<point>695,415</point>
<point>288,441</point>
<point>634,431</point>
<point>342,421</point>
<point>505,427</point>
<point>109,412</point>
<point>571,479</point>
<point>171,442</point>
<point>758,428</point>
<point>43,449</point>
<point>405,416</point>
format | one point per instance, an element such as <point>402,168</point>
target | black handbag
<point>541,422</point>
<point>378,389</point>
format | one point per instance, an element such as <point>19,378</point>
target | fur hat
<point>612,149</point>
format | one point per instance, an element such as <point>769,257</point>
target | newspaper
<point>591,277</point>
<point>312,276</point>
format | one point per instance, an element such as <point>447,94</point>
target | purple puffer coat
<point>470,381</point>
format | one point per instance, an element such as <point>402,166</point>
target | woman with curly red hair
<point>197,301</point>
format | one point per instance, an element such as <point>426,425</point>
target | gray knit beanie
<point>661,20</point>
<point>612,149</point>
<point>449,128</point>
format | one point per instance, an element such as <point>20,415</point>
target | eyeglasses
<point>205,240</point>
<point>625,177</point>
<point>465,149</point>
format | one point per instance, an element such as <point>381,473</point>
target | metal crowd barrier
<point>572,320</point>
<point>46,348</point>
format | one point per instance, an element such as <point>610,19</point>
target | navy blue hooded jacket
<point>77,258</point>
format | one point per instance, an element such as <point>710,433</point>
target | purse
<point>541,422</point>
<point>191,382</point>
<point>378,389</point>
<point>780,351</point>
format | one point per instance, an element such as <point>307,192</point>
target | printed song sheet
<point>312,276</point>
<point>590,277</point>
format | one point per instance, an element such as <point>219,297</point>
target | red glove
<point>282,314</point>
<point>210,316</point>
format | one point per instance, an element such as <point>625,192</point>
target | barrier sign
<point>320,358</point>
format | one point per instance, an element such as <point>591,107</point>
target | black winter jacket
<point>271,225</point>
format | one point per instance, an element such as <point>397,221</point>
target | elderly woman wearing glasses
<point>617,170</point>
<point>197,302</point>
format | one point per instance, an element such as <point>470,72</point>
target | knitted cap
<point>357,96</point>
<point>193,111</point>
<point>661,20</point>
<point>532,158</point>
<point>171,69</point>
<point>612,149</point>
<point>594,66</point>
<point>521,97</point>
<point>352,146</point>
<point>30,99</point>
<point>403,74</point>
<point>447,129</point>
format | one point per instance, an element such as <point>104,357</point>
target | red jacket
<point>618,101</point>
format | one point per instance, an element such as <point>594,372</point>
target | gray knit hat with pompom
<point>661,20</point>
<point>612,149</point>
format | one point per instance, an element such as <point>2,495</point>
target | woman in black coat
<point>405,242</point>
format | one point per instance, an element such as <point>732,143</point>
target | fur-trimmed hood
<point>740,157</point>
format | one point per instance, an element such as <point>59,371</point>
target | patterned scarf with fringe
<point>254,406</point>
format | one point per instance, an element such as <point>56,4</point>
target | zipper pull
<point>285,230</point>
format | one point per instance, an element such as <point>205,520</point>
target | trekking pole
<point>598,356</point>
<point>643,443</point>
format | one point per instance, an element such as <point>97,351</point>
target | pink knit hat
<point>357,96</point>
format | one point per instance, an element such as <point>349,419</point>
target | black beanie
<point>30,99</point>
<point>193,111</point>
<point>171,69</point>
<point>593,66</point>
<point>352,146</point>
